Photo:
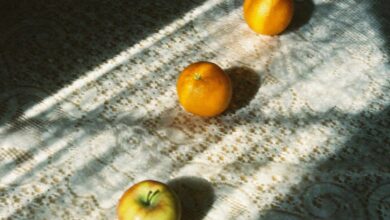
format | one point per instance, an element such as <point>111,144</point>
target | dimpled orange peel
<point>204,89</point>
<point>268,17</point>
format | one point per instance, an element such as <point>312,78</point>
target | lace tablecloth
<point>88,107</point>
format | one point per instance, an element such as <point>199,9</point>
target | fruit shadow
<point>196,195</point>
<point>246,83</point>
<point>303,11</point>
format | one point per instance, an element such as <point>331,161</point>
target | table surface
<point>88,107</point>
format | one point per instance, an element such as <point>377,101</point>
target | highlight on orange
<point>204,89</point>
<point>268,17</point>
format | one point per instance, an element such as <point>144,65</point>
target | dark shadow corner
<point>246,83</point>
<point>350,184</point>
<point>303,11</point>
<point>196,196</point>
<point>381,11</point>
<point>47,45</point>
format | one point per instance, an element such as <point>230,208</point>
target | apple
<point>149,200</point>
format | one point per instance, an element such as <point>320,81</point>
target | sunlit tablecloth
<point>88,107</point>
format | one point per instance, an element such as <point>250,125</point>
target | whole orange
<point>268,17</point>
<point>204,89</point>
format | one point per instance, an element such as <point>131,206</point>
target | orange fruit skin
<point>268,17</point>
<point>204,89</point>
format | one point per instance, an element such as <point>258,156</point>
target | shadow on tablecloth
<point>353,183</point>
<point>196,195</point>
<point>246,83</point>
<point>49,44</point>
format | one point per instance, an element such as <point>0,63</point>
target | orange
<point>268,17</point>
<point>204,89</point>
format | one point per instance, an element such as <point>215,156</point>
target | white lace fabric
<point>307,137</point>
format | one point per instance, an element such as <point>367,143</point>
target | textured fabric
<point>88,107</point>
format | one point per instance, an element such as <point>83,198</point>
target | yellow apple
<point>149,200</point>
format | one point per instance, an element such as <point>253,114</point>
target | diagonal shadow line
<point>144,51</point>
<point>135,89</point>
<point>254,116</point>
<point>111,152</point>
<point>322,118</point>
<point>361,140</point>
<point>40,165</point>
<point>91,39</point>
<point>259,163</point>
<point>35,149</point>
<point>108,153</point>
<point>22,121</point>
<point>373,134</point>
<point>380,116</point>
<point>280,121</point>
<point>58,133</point>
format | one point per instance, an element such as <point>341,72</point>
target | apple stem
<point>150,196</point>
